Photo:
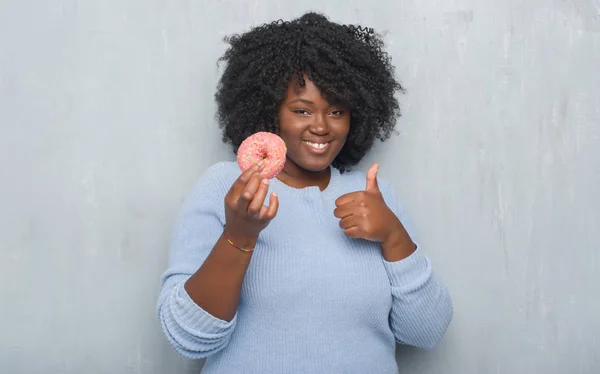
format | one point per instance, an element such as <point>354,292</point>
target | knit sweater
<point>313,300</point>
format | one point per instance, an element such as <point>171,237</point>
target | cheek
<point>290,125</point>
<point>284,125</point>
<point>343,128</point>
<point>287,131</point>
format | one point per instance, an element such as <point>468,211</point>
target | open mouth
<point>317,145</point>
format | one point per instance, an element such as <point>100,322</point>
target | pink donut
<point>263,145</point>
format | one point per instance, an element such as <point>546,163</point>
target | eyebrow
<point>302,101</point>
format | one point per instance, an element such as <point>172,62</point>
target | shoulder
<point>356,180</point>
<point>216,179</point>
<point>221,172</point>
<point>353,177</point>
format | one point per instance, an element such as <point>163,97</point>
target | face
<point>313,129</point>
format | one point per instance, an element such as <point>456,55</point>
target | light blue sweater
<point>313,300</point>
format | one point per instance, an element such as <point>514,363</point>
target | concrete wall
<point>107,117</point>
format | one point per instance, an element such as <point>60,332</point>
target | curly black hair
<point>346,62</point>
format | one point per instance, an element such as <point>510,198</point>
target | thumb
<point>372,178</point>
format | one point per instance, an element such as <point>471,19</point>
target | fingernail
<point>265,181</point>
<point>261,162</point>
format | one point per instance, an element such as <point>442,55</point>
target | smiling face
<point>314,130</point>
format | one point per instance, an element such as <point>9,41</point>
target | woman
<point>316,270</point>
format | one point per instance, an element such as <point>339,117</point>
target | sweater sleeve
<point>190,330</point>
<point>421,304</point>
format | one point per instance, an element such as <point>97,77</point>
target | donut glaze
<point>263,145</point>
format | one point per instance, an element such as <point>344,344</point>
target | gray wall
<point>107,117</point>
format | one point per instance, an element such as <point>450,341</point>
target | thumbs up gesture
<point>364,214</point>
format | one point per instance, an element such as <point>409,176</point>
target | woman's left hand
<point>364,214</point>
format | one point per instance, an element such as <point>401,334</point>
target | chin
<point>311,163</point>
<point>314,165</point>
<point>316,169</point>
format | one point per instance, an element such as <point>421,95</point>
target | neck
<point>295,176</point>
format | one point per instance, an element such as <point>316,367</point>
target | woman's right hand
<point>245,213</point>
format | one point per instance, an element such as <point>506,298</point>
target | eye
<point>337,112</point>
<point>303,112</point>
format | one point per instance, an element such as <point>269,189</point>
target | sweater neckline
<point>332,186</point>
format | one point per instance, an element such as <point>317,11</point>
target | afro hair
<point>346,62</point>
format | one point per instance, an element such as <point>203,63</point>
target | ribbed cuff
<point>411,271</point>
<point>192,316</point>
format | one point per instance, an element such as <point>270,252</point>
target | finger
<point>372,178</point>
<point>353,232</point>
<point>345,199</point>
<point>248,193</point>
<point>246,176</point>
<point>259,198</point>
<point>271,211</point>
<point>344,210</point>
<point>349,222</point>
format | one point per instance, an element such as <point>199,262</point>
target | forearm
<point>216,286</point>
<point>421,305</point>
<point>422,308</point>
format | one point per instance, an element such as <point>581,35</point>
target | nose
<point>319,126</point>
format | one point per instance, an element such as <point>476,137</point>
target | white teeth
<point>317,145</point>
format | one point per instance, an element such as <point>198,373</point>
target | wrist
<point>240,240</point>
<point>397,245</point>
